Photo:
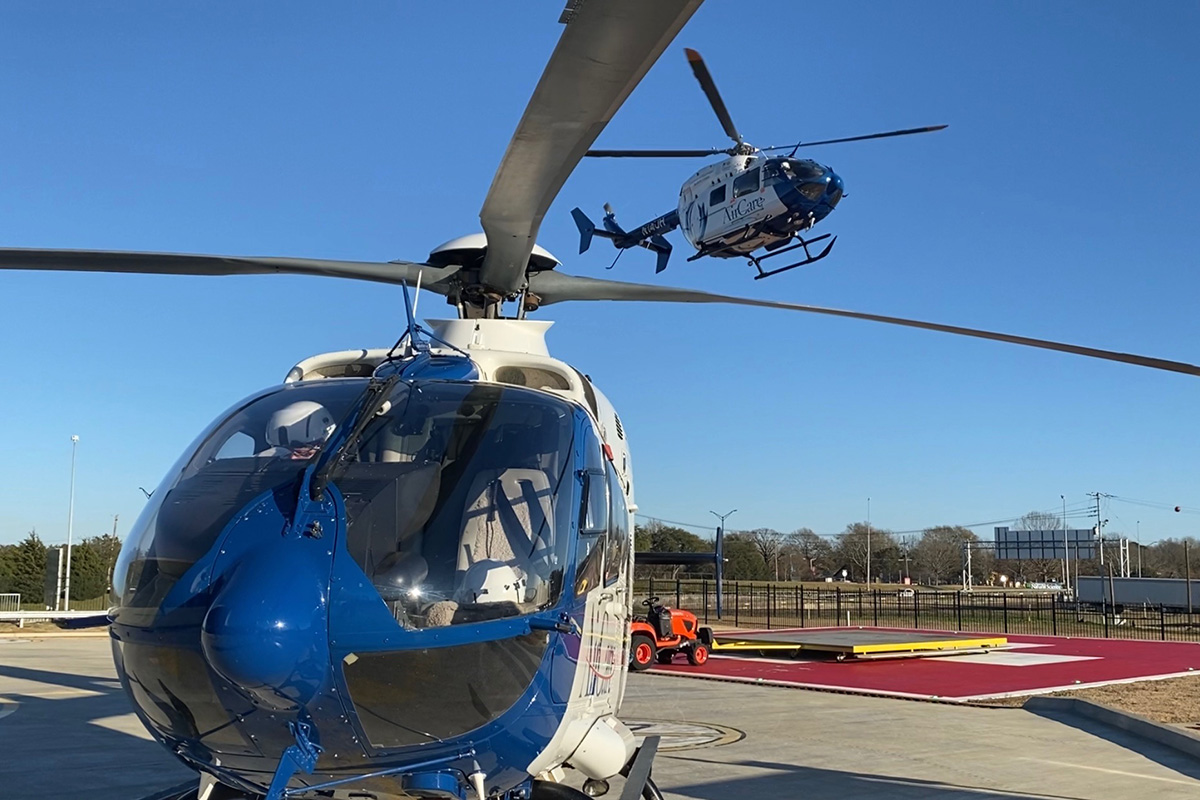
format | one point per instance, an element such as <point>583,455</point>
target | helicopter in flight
<point>735,207</point>
<point>407,571</point>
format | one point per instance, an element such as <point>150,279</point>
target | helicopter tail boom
<point>649,236</point>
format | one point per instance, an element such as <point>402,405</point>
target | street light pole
<point>868,541</point>
<point>70,525</point>
<point>1066,549</point>
<point>720,555</point>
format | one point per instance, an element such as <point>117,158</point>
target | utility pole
<point>70,526</point>
<point>1099,523</point>
<point>868,541</point>
<point>720,555</point>
<point>1139,546</point>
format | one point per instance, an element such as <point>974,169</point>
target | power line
<point>677,522</point>
<point>1152,504</point>
<point>1084,510</point>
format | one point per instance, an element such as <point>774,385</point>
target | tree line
<point>933,557</point>
<point>23,567</point>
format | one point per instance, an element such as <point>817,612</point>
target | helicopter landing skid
<point>801,244</point>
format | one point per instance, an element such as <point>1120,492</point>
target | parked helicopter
<point>748,201</point>
<point>407,571</point>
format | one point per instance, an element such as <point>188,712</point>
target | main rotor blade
<point>658,153</point>
<point>905,132</point>
<point>556,287</point>
<point>714,97</point>
<point>434,278</point>
<point>604,52</point>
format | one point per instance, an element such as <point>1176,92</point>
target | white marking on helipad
<point>999,658</point>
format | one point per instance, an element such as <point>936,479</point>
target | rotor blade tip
<point>692,55</point>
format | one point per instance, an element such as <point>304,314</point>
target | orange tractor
<point>664,632</point>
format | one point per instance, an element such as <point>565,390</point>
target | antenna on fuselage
<point>413,334</point>
<point>417,293</point>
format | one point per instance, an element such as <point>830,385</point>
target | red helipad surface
<point>1028,665</point>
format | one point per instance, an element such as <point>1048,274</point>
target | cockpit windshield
<point>453,502</point>
<point>451,494</point>
<point>262,446</point>
<point>803,169</point>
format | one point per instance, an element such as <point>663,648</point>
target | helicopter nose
<point>834,191</point>
<point>266,631</point>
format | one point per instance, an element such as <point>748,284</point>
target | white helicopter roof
<point>721,170</point>
<point>511,351</point>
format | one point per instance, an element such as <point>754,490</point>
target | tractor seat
<point>660,618</point>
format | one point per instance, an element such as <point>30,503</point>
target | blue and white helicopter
<point>748,201</point>
<point>407,572</point>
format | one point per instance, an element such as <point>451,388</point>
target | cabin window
<point>616,560</point>
<point>595,509</point>
<point>746,183</point>
<point>533,377</point>
<point>589,563</point>
<point>593,520</point>
<point>717,196</point>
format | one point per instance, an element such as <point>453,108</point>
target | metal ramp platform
<point>856,643</point>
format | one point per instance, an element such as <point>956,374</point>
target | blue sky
<point>1061,203</point>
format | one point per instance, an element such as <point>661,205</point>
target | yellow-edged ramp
<point>859,643</point>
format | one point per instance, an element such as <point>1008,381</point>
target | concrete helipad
<point>66,732</point>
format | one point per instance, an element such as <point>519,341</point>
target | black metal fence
<point>791,605</point>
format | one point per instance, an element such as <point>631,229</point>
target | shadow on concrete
<point>72,735</point>
<point>1158,753</point>
<point>790,780</point>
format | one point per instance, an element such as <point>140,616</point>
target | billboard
<point>52,584</point>
<point>1024,545</point>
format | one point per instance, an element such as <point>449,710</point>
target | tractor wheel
<point>641,652</point>
<point>698,654</point>
<point>666,656</point>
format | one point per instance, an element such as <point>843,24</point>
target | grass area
<point>31,627</point>
<point>1174,701</point>
<point>92,604</point>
